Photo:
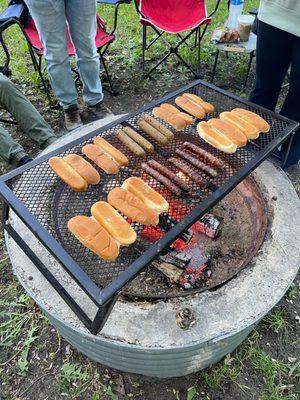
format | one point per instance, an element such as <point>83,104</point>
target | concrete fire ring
<point>143,337</point>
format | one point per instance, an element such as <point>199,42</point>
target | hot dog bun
<point>230,130</point>
<point>248,129</point>
<point>83,168</point>
<point>68,174</point>
<point>173,110</point>
<point>98,156</point>
<point>111,151</point>
<point>208,107</point>
<point>131,206</point>
<point>174,120</point>
<point>148,195</point>
<point>252,118</point>
<point>92,235</point>
<point>215,138</point>
<point>190,107</point>
<point>113,222</point>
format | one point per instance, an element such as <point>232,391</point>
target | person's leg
<point>10,151</point>
<point>50,20</point>
<point>273,57</point>
<point>29,119</point>
<point>81,17</point>
<point>291,105</point>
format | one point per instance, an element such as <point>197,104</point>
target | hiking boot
<point>72,117</point>
<point>24,160</point>
<point>98,111</point>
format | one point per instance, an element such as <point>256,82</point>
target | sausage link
<point>188,171</point>
<point>130,144</point>
<point>169,174</point>
<point>139,139</point>
<point>160,127</point>
<point>196,163</point>
<point>154,133</point>
<point>204,155</point>
<point>162,179</point>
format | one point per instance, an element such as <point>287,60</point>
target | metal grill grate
<point>53,203</point>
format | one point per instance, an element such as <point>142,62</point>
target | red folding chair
<point>17,13</point>
<point>182,18</point>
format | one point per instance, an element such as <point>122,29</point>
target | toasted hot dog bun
<point>252,118</point>
<point>93,236</point>
<point>113,222</point>
<point>84,168</point>
<point>148,195</point>
<point>131,206</point>
<point>110,150</point>
<point>230,130</point>
<point>174,120</point>
<point>248,129</point>
<point>215,138</point>
<point>68,174</point>
<point>208,107</point>
<point>190,107</point>
<point>173,110</point>
<point>98,156</point>
<point>160,127</point>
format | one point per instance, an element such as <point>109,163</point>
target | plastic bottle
<point>235,10</point>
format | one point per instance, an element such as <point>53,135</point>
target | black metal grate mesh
<point>53,203</point>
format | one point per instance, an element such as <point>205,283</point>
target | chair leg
<point>199,50</point>
<point>213,73</point>
<point>144,44</point>
<point>248,69</point>
<point>37,68</point>
<point>112,90</point>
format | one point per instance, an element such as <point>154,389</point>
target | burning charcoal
<point>169,270</point>
<point>175,259</point>
<point>185,318</point>
<point>193,277</point>
<point>166,223</point>
<point>209,225</point>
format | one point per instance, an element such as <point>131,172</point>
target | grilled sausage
<point>131,144</point>
<point>196,163</point>
<point>204,155</point>
<point>186,169</point>
<point>162,179</point>
<point>160,127</point>
<point>151,131</point>
<point>169,174</point>
<point>139,139</point>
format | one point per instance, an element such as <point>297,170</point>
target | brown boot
<point>72,117</point>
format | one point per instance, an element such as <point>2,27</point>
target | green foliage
<point>276,321</point>
<point>191,393</point>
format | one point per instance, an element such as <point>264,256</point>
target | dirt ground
<point>265,367</point>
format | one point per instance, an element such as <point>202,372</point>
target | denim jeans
<point>29,119</point>
<point>51,18</point>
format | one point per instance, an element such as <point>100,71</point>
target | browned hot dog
<point>169,174</point>
<point>160,127</point>
<point>151,131</point>
<point>161,178</point>
<point>196,163</point>
<point>204,155</point>
<point>186,169</point>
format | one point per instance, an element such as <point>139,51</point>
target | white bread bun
<point>248,129</point>
<point>113,222</point>
<point>110,150</point>
<point>215,138</point>
<point>252,118</point>
<point>230,130</point>
<point>149,196</point>
<point>84,168</point>
<point>68,174</point>
<point>93,236</point>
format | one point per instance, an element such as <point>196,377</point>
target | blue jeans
<point>51,18</point>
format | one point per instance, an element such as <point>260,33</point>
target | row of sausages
<point>190,157</point>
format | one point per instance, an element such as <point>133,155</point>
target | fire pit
<point>159,328</point>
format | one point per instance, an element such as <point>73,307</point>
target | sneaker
<point>72,117</point>
<point>24,160</point>
<point>98,111</point>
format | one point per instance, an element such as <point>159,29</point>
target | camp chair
<point>182,18</point>
<point>17,13</point>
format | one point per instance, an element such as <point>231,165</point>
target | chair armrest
<point>12,12</point>
<point>114,2</point>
